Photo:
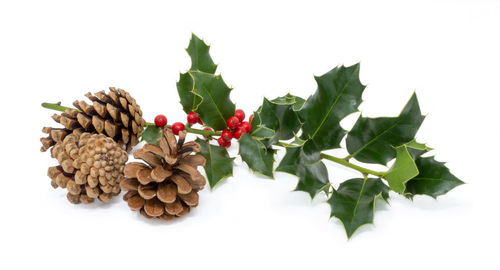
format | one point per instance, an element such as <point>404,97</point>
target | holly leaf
<point>198,50</point>
<point>403,169</point>
<point>218,163</point>
<point>417,149</point>
<point>371,140</point>
<point>353,202</point>
<point>285,110</point>
<point>200,61</point>
<point>276,119</point>
<point>215,106</point>
<point>338,95</point>
<point>433,180</point>
<point>305,162</point>
<point>258,157</point>
<point>151,134</point>
<point>189,100</point>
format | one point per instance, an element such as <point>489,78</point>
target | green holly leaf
<point>285,110</point>
<point>371,140</point>
<point>218,163</point>
<point>258,157</point>
<point>338,95</point>
<point>417,149</point>
<point>353,202</point>
<point>433,180</point>
<point>403,169</point>
<point>266,124</point>
<point>189,100</point>
<point>151,134</point>
<point>305,162</point>
<point>200,61</point>
<point>215,106</point>
<point>198,50</point>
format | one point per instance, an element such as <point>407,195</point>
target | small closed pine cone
<point>167,184</point>
<point>90,166</point>
<point>115,114</point>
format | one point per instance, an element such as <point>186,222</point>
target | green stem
<point>343,162</point>
<point>352,166</point>
<point>205,133</point>
<point>55,106</point>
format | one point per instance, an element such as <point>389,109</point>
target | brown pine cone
<point>167,185</point>
<point>90,166</point>
<point>115,114</point>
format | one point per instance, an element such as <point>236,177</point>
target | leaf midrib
<point>357,201</point>
<point>376,137</point>
<point>333,105</point>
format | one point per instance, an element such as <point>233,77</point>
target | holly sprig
<point>306,128</point>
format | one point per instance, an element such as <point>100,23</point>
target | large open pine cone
<point>167,185</point>
<point>115,114</point>
<point>90,166</point>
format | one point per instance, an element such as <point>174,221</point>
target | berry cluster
<point>236,127</point>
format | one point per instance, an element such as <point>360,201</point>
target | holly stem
<point>346,163</point>
<point>55,106</point>
<point>342,162</point>
<point>206,133</point>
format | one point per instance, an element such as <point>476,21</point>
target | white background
<point>446,51</point>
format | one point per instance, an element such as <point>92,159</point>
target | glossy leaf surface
<point>353,202</point>
<point>372,140</point>
<point>338,95</point>
<point>218,163</point>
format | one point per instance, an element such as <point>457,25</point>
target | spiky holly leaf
<point>258,157</point>
<point>215,106</point>
<point>198,50</point>
<point>338,95</point>
<point>403,169</point>
<point>353,202</point>
<point>277,119</point>
<point>266,124</point>
<point>151,134</point>
<point>371,140</point>
<point>200,61</point>
<point>285,109</point>
<point>417,149</point>
<point>305,162</point>
<point>218,163</point>
<point>434,178</point>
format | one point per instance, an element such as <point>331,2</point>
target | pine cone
<point>90,166</point>
<point>167,185</point>
<point>115,114</point>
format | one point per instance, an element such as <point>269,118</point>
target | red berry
<point>226,135</point>
<point>251,118</point>
<point>246,126</point>
<point>177,127</point>
<point>238,132</point>
<point>233,122</point>
<point>192,118</point>
<point>223,143</point>
<point>199,121</point>
<point>160,120</point>
<point>240,114</point>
